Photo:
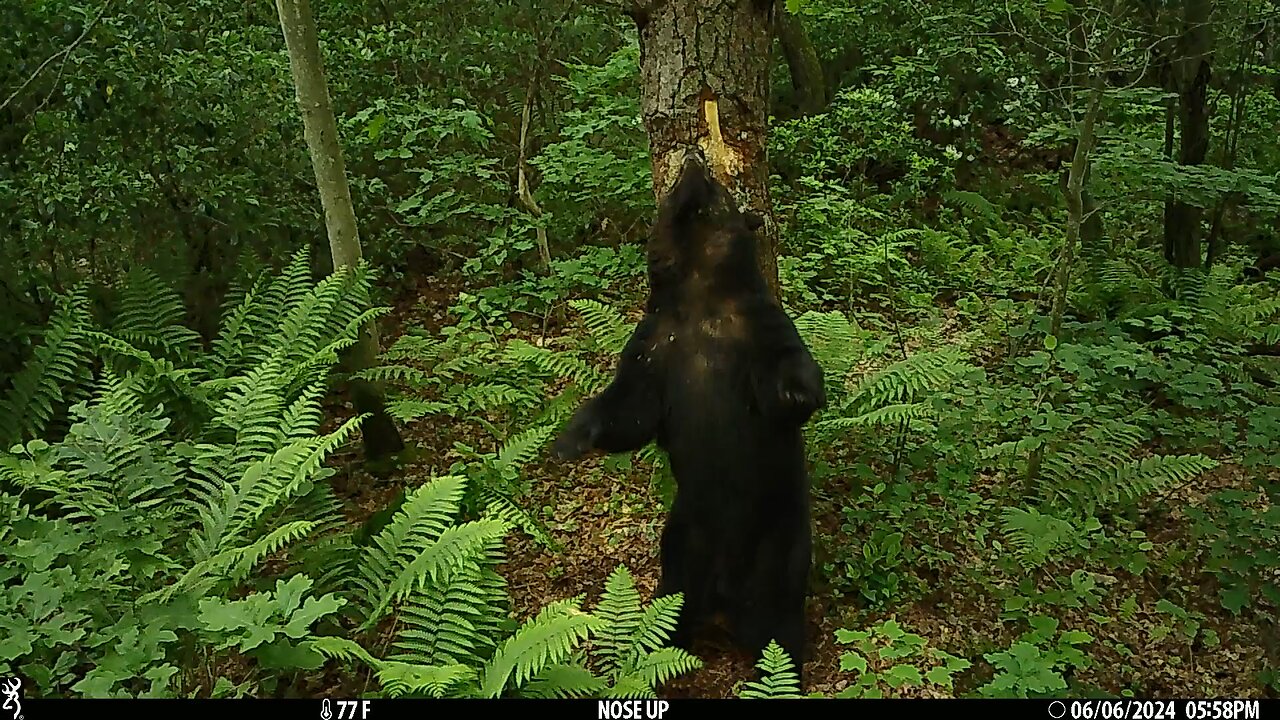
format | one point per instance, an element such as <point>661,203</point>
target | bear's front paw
<point>800,388</point>
<point>579,438</point>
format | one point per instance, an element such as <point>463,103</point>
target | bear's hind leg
<point>683,572</point>
<point>772,603</point>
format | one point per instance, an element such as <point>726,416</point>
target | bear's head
<point>700,234</point>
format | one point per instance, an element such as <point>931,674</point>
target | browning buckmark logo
<point>10,689</point>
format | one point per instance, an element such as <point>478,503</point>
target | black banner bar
<point>675,709</point>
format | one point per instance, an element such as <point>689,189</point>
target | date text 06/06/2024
<point>1155,710</point>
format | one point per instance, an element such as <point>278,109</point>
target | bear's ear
<point>755,221</point>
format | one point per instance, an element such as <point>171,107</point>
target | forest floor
<point>603,519</point>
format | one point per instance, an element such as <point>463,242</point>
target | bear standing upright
<point>717,374</point>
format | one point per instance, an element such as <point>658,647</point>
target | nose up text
<point>631,709</point>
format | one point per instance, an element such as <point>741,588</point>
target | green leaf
<point>1234,598</point>
<point>1075,637</point>
<point>853,662</point>
<point>312,609</point>
<point>900,675</point>
<point>845,637</point>
<point>891,629</point>
<point>939,676</point>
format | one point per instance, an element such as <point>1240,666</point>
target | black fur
<point>717,374</point>
<point>1260,268</point>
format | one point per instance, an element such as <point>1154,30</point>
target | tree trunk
<point>1237,87</point>
<point>704,69</point>
<point>1190,77</point>
<point>381,437</point>
<point>802,60</point>
<point>1076,219</point>
<point>1091,231</point>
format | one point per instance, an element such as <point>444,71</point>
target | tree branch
<point>61,53</point>
<point>522,184</point>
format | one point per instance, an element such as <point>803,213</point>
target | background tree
<point>807,79</point>
<point>381,436</point>
<point>1189,75</point>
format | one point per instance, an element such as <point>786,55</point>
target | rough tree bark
<point>704,68</point>
<point>1190,79</point>
<point>807,79</point>
<point>381,437</point>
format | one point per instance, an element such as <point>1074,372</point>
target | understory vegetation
<point>1049,464</point>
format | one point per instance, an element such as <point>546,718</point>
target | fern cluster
<point>202,466</point>
<point>181,473</point>
<point>516,393</point>
<point>451,640</point>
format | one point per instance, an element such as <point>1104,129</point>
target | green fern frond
<point>607,327</point>
<point>630,687</point>
<point>779,680</point>
<point>1129,480</point>
<point>268,483</point>
<point>551,363</point>
<point>233,564</point>
<point>419,522</point>
<point>457,545</point>
<point>659,666</point>
<point>236,335</point>
<point>505,509</point>
<point>485,396</point>
<point>343,649</point>
<point>835,341</point>
<point>659,620</point>
<point>907,379</point>
<point>393,373</point>
<point>895,414</point>
<point>546,640</point>
<point>411,346</point>
<point>436,681</point>
<point>457,620</point>
<point>304,414</point>
<point>165,378</point>
<point>406,410</point>
<point>522,447</point>
<point>57,366</point>
<point>1011,448</point>
<point>621,614</point>
<point>1035,537</point>
<point>150,315</point>
<point>972,201</point>
<point>565,681</point>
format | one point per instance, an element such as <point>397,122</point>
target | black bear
<point>717,374</point>
<point>1260,268</point>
